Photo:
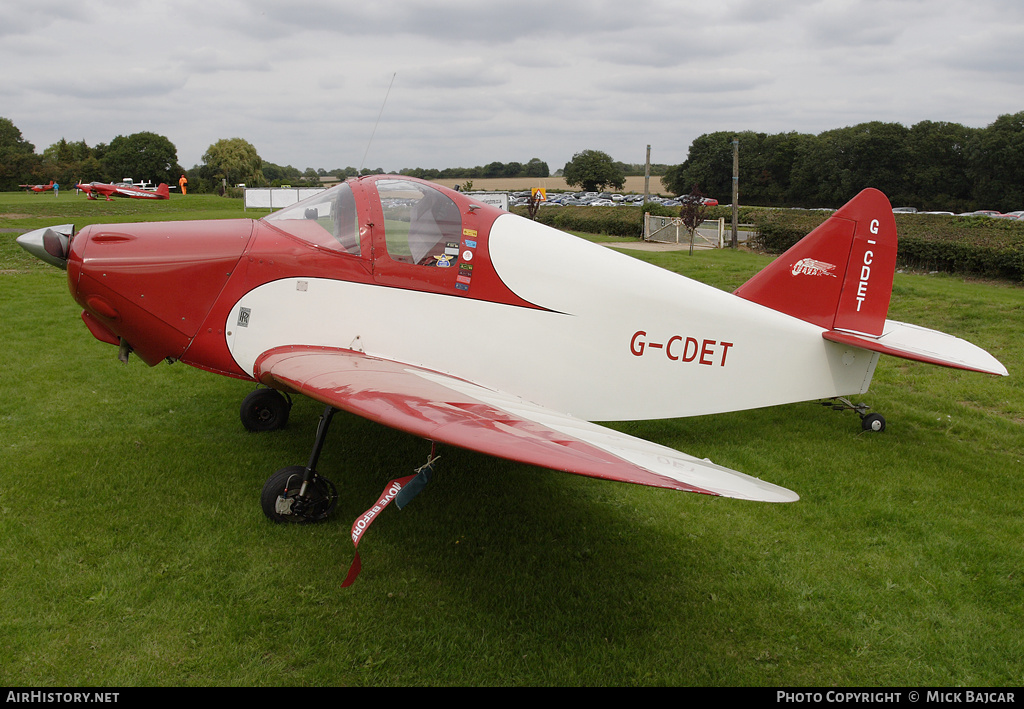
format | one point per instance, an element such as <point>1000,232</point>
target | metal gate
<point>709,235</point>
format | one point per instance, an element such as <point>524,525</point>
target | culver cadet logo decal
<point>811,267</point>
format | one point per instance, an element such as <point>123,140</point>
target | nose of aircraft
<point>145,286</point>
<point>50,244</point>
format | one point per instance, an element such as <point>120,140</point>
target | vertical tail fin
<point>163,191</point>
<point>840,275</point>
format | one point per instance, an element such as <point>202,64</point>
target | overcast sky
<point>473,82</point>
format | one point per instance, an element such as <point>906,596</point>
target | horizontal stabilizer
<point>923,345</point>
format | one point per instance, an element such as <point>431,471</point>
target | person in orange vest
<point>182,182</point>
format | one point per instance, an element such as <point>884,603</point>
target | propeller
<point>50,244</point>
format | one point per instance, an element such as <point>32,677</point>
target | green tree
<point>494,169</point>
<point>996,164</point>
<point>692,211</point>
<point>937,170</point>
<point>766,168</point>
<point>142,156</point>
<point>838,164</point>
<point>67,163</point>
<point>277,175</point>
<point>536,168</point>
<point>709,163</point>
<point>592,170</point>
<point>18,162</point>
<point>513,169</point>
<point>236,160</point>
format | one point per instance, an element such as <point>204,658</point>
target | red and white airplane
<point>425,310</point>
<point>123,189</point>
<point>38,188</point>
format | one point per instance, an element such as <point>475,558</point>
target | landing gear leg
<point>868,422</point>
<point>300,495</point>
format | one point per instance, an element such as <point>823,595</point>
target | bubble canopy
<point>422,225</point>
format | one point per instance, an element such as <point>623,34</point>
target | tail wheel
<point>873,422</point>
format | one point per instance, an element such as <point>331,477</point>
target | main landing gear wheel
<point>286,500</point>
<point>265,410</point>
<point>298,494</point>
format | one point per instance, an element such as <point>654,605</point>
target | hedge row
<point>612,221</point>
<point>627,222</point>
<point>977,246</point>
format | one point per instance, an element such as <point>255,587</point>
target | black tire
<point>318,503</point>
<point>873,422</point>
<point>265,410</point>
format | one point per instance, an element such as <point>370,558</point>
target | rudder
<point>840,275</point>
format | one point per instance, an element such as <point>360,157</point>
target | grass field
<point>136,553</point>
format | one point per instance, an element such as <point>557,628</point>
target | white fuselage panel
<point>620,339</point>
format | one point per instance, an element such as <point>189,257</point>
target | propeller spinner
<point>50,244</point>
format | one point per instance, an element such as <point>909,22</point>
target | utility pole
<point>647,176</point>
<point>735,191</point>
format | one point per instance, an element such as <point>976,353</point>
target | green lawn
<point>136,552</point>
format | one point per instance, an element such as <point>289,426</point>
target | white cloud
<point>305,81</point>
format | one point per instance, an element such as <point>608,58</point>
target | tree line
<point>226,163</point>
<point>66,162</point>
<point>143,156</point>
<point>934,166</point>
<point>930,165</point>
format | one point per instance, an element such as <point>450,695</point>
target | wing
<point>449,410</point>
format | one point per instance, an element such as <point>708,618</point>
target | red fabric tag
<point>360,526</point>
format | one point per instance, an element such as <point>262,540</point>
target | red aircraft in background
<point>124,189</point>
<point>38,188</point>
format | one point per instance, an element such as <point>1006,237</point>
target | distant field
<point>29,210</point>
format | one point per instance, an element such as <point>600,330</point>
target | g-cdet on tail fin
<point>839,277</point>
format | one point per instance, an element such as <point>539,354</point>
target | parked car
<point>707,201</point>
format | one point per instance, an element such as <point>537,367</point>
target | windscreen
<point>327,219</point>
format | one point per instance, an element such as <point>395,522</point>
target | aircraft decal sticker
<point>243,317</point>
<point>811,267</point>
<point>469,243</point>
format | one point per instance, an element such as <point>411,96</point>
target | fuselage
<point>407,271</point>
